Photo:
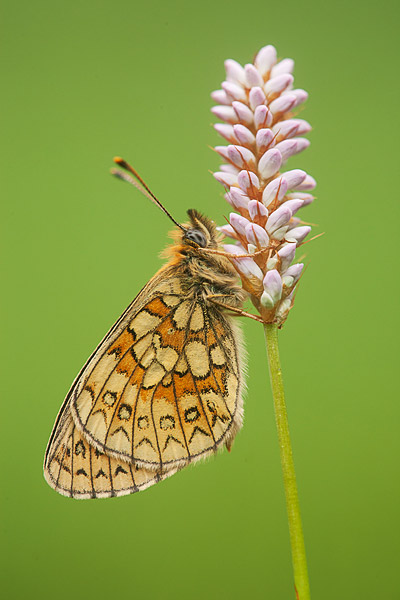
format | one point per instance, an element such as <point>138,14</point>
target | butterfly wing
<point>76,469</point>
<point>164,387</point>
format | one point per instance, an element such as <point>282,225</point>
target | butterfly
<point>164,388</point>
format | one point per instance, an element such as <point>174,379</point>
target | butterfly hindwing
<point>76,469</point>
<point>164,387</point>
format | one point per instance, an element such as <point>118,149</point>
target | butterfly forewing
<point>164,388</point>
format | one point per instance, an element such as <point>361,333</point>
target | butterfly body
<point>164,387</point>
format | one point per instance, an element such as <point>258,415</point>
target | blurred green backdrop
<point>83,81</point>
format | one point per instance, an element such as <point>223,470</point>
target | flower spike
<point>258,105</point>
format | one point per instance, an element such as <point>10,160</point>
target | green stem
<point>299,560</point>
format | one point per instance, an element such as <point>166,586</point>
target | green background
<point>83,81</point>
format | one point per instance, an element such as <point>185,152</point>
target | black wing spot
<point>192,414</point>
<point>119,469</point>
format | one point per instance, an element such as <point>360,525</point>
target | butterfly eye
<point>196,236</point>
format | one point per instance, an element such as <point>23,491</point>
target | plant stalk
<point>299,560</point>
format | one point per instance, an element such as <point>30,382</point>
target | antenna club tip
<point>119,161</point>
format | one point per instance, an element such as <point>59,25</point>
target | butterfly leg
<point>238,311</point>
<point>231,256</point>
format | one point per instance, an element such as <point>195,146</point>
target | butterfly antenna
<point>139,184</point>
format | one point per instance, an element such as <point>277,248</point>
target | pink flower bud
<point>278,84</point>
<point>225,131</point>
<point>308,183</point>
<point>294,178</point>
<point>220,97</point>
<point>284,66</point>
<point>291,127</point>
<point>245,265</point>
<point>248,182</point>
<point>294,205</point>
<point>270,163</point>
<point>241,157</point>
<point>262,117</point>
<point>257,235</point>
<point>233,91</point>
<point>225,113</point>
<point>228,231</point>
<point>257,210</point>
<point>243,113</point>
<point>301,96</point>
<point>307,198</point>
<point>235,72</point>
<point>294,271</point>
<point>265,59</point>
<point>256,97</point>
<point>272,283</point>
<point>222,151</point>
<point>276,189</point>
<point>253,76</point>
<point>238,198</point>
<point>226,179</point>
<point>239,223</point>
<point>291,147</point>
<point>229,169</point>
<point>243,135</point>
<point>283,104</point>
<point>298,234</point>
<point>264,138</point>
<point>280,217</point>
<point>287,148</point>
<point>286,255</point>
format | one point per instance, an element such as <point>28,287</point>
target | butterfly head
<point>200,232</point>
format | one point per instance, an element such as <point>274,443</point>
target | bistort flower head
<point>258,105</point>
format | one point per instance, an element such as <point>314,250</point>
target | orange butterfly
<point>164,387</point>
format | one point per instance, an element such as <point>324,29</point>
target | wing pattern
<point>162,389</point>
<point>76,469</point>
<point>166,390</point>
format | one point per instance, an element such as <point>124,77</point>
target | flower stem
<point>299,560</point>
